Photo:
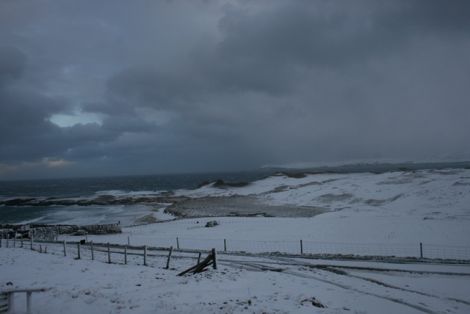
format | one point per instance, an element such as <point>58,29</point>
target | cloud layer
<point>167,86</point>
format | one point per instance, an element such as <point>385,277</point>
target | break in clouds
<point>122,87</point>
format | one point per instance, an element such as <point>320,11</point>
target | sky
<point>97,88</point>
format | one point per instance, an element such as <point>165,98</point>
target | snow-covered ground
<point>325,233</point>
<point>85,286</point>
<point>427,194</point>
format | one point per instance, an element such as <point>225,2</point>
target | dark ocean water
<point>88,187</point>
<point>77,187</point>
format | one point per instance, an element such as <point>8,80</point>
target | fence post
<point>199,258</point>
<point>21,245</point>
<point>125,255</point>
<point>169,257</point>
<point>78,250</point>
<point>128,240</point>
<point>65,248</point>
<point>40,248</point>
<point>214,258</point>
<point>11,301</point>
<point>301,247</point>
<point>92,251</point>
<point>145,255</point>
<point>28,302</point>
<point>420,249</point>
<point>31,242</point>
<point>109,254</point>
<point>7,243</point>
<point>177,243</point>
<point>225,245</point>
<point>14,241</point>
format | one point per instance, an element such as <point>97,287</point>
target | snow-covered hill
<point>429,194</point>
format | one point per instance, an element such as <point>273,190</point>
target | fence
<point>418,250</point>
<point>305,247</point>
<point>300,247</point>
<point>111,253</point>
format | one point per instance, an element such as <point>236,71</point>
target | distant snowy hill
<point>430,194</point>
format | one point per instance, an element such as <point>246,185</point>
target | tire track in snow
<point>261,267</point>
<point>346,287</point>
<point>336,271</point>
<point>292,261</point>
<point>387,285</point>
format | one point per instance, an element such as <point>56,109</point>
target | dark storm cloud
<point>269,49</point>
<point>207,85</point>
<point>150,87</point>
<point>11,64</point>
<point>26,134</point>
<point>22,110</point>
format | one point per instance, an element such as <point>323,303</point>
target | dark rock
<point>295,175</point>
<point>211,224</point>
<point>18,201</point>
<point>314,302</point>
<point>221,184</point>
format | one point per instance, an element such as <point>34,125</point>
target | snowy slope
<point>85,286</point>
<point>429,194</point>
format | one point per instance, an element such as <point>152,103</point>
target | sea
<point>83,188</point>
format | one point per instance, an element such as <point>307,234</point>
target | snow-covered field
<point>85,286</point>
<point>325,233</point>
<point>371,214</point>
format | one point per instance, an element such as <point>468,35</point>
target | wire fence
<point>300,247</point>
<point>107,253</point>
<point>305,247</point>
<point>296,247</point>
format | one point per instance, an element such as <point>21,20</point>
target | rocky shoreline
<point>180,206</point>
<point>99,200</point>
